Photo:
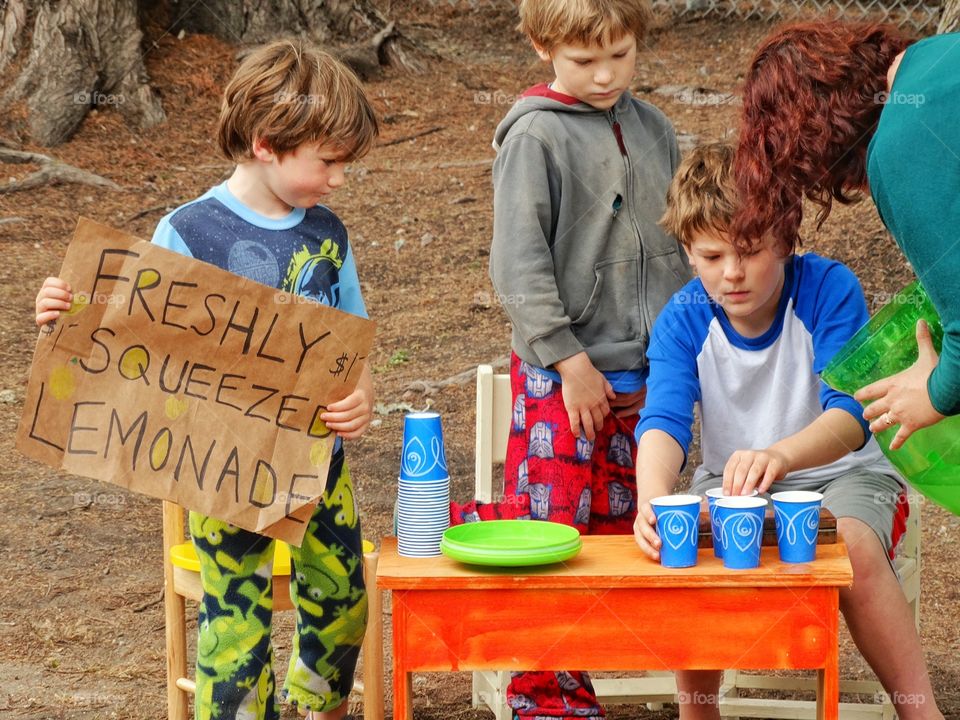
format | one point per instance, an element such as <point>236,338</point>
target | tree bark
<point>83,53</point>
<point>13,21</point>
<point>352,29</point>
<point>86,53</point>
<point>949,16</point>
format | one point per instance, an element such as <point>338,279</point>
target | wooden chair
<point>182,580</point>
<point>494,415</point>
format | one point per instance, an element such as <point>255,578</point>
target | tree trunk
<point>13,21</point>
<point>949,16</point>
<point>352,29</point>
<point>83,53</point>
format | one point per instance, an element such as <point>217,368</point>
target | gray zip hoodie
<point>578,259</point>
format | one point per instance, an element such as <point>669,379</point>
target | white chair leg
<point>490,691</point>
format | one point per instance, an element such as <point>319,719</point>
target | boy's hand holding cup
<point>749,470</point>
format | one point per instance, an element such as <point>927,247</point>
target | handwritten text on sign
<point>186,382</point>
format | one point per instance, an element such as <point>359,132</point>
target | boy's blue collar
<point>222,193</point>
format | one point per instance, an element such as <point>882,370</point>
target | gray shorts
<point>874,498</point>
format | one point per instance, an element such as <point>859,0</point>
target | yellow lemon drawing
<point>134,362</point>
<point>62,384</point>
<point>175,407</point>
<point>319,453</point>
<point>160,448</point>
<point>79,302</point>
<point>264,487</point>
<point>148,278</point>
<point>318,428</point>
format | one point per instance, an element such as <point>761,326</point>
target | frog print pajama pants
<point>235,664</point>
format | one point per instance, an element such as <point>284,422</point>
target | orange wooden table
<point>611,608</point>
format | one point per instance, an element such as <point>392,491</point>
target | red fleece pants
<point>552,475</point>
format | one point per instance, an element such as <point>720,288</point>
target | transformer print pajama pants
<point>552,475</point>
<point>235,672</point>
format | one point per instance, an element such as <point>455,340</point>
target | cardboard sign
<point>177,379</point>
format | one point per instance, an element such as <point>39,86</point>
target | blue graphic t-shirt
<point>306,252</point>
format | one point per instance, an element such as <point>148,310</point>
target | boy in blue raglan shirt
<point>747,340</point>
<point>291,117</point>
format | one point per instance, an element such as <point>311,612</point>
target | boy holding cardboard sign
<point>291,118</point>
<point>747,340</point>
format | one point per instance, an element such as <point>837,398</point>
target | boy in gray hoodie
<point>582,269</point>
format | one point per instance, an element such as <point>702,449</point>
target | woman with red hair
<point>831,109</point>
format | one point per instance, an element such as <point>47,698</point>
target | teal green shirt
<point>913,166</point>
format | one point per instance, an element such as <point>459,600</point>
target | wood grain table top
<point>612,561</point>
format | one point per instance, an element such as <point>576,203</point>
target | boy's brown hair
<point>703,196</point>
<point>549,23</point>
<point>288,93</point>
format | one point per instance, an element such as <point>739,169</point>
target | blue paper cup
<point>741,530</point>
<point>712,496</point>
<point>678,525</point>
<point>423,457</point>
<point>797,515</point>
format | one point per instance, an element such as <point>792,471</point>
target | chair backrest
<point>494,412</point>
<point>910,544</point>
<point>173,528</point>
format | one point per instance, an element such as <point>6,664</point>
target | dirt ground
<point>81,623</point>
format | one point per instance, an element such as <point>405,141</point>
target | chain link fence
<point>921,16</point>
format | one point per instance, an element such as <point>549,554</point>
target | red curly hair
<point>811,102</point>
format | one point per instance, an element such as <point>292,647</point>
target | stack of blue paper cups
<point>423,495</point>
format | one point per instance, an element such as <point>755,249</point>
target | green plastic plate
<point>511,543</point>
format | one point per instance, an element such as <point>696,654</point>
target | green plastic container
<point>930,459</point>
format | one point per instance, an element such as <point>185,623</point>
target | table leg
<point>402,679</point>
<point>828,677</point>
<point>402,694</point>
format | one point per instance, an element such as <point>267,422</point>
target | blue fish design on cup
<point>679,529</point>
<point>423,456</point>
<point>797,514</point>
<point>678,525</point>
<point>741,530</point>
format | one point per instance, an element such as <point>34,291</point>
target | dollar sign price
<point>341,361</point>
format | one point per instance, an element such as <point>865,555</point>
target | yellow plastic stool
<point>185,556</point>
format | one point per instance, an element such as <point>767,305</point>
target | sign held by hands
<point>182,381</point>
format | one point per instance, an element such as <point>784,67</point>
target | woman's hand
<point>903,398</point>
<point>54,297</point>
